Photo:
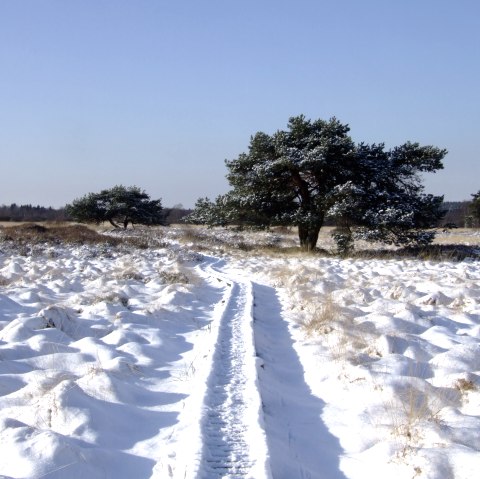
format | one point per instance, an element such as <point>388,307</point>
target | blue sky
<point>158,93</point>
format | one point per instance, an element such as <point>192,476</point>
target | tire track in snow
<point>234,442</point>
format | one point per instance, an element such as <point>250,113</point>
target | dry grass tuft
<point>173,277</point>
<point>130,274</point>
<point>112,298</point>
<point>417,407</point>
<point>465,385</point>
<point>322,318</point>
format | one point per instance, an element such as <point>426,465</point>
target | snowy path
<point>260,422</point>
<point>234,443</point>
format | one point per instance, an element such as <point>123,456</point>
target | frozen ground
<point>166,362</point>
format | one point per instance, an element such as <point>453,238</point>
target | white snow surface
<point>164,363</point>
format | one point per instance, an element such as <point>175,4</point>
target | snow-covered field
<point>171,362</point>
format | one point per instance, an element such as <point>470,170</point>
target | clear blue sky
<point>158,93</point>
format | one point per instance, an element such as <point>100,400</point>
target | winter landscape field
<point>190,353</point>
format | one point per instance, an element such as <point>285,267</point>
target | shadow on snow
<point>299,442</point>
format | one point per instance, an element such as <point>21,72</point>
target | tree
<point>314,169</point>
<point>475,208</point>
<point>207,213</point>
<point>175,214</point>
<point>119,204</point>
<point>384,201</point>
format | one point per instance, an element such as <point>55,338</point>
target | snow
<point>164,362</point>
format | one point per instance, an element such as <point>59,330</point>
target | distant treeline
<point>16,212</point>
<point>456,214</point>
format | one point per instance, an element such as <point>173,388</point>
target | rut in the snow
<point>226,435</point>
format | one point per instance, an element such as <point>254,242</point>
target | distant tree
<point>28,212</point>
<point>475,208</point>
<point>314,170</point>
<point>456,214</point>
<point>175,214</point>
<point>116,205</point>
<point>207,212</point>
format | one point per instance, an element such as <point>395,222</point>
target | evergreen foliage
<point>314,170</point>
<point>475,209</point>
<point>14,212</point>
<point>119,204</point>
<point>384,201</point>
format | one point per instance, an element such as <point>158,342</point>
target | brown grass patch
<point>33,233</point>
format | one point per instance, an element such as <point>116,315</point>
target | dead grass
<point>322,318</point>
<point>34,233</point>
<point>234,241</point>
<point>112,298</point>
<point>26,235</point>
<point>281,241</point>
<point>173,277</point>
<point>465,385</point>
<point>459,236</point>
<point>416,409</point>
<point>130,274</point>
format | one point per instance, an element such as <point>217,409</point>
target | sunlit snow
<point>167,362</point>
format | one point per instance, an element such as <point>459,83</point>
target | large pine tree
<point>314,169</point>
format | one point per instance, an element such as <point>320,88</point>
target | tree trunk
<point>113,223</point>
<point>308,235</point>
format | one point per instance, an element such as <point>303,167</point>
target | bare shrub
<point>130,274</point>
<point>111,297</point>
<point>414,407</point>
<point>173,277</point>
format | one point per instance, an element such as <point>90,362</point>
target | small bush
<point>113,298</point>
<point>173,277</point>
<point>130,274</point>
<point>242,246</point>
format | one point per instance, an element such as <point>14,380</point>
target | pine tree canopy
<point>475,207</point>
<point>314,170</point>
<point>116,205</point>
